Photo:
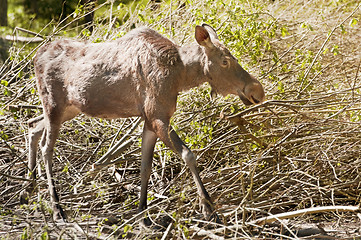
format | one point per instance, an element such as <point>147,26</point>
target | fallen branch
<point>13,38</point>
<point>272,218</point>
<point>14,177</point>
<point>166,232</point>
<point>29,32</point>
<point>17,107</point>
<point>207,233</point>
<point>37,37</point>
<point>117,149</point>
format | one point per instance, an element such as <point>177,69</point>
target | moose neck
<point>194,60</point>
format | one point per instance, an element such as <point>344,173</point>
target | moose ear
<point>211,31</point>
<point>203,38</point>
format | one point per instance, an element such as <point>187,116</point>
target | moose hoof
<point>59,214</point>
<point>24,197</point>
<point>145,223</point>
<point>28,190</point>
<point>215,218</point>
<point>209,212</point>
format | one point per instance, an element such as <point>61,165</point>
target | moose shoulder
<point>139,74</point>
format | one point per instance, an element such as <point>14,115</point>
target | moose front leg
<point>148,142</point>
<point>190,159</point>
<point>172,140</point>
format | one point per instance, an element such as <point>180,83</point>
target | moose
<point>139,74</point>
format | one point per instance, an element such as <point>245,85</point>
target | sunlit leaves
<point>353,22</point>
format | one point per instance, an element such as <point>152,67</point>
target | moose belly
<point>105,101</point>
<point>107,105</point>
<point>110,109</point>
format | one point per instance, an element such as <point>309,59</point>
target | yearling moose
<point>139,74</point>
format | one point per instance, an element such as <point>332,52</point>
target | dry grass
<point>298,151</point>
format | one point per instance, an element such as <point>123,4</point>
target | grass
<point>300,149</point>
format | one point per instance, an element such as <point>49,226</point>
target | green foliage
<point>202,136</point>
<point>245,28</point>
<point>353,22</point>
<point>66,168</point>
<point>25,236</point>
<point>3,135</point>
<point>44,236</point>
<point>4,84</point>
<point>126,230</point>
<point>248,29</point>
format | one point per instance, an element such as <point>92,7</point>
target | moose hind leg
<point>51,134</point>
<point>36,129</point>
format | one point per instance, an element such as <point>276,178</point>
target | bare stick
<point>119,147</point>
<point>322,47</point>
<point>272,218</point>
<point>29,32</point>
<point>166,232</point>
<point>22,39</point>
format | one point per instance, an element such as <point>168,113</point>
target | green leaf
<point>280,87</point>
<point>284,31</point>
<point>343,30</point>
<point>4,83</point>
<point>44,236</point>
<point>325,51</point>
<point>334,50</point>
<point>141,17</point>
<point>127,228</point>
<point>353,22</point>
<point>65,169</point>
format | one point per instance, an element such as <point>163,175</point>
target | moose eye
<point>225,62</point>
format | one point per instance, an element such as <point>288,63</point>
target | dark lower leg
<point>148,142</point>
<point>34,136</point>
